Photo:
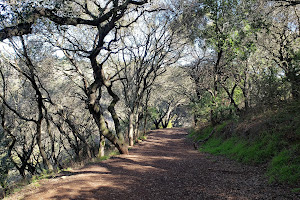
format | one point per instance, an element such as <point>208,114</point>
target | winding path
<point>166,166</point>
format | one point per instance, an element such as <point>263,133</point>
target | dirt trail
<point>164,167</point>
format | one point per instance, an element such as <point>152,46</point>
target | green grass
<point>205,132</point>
<point>44,175</point>
<point>276,144</point>
<point>296,190</point>
<point>143,137</point>
<point>106,157</point>
<point>283,167</point>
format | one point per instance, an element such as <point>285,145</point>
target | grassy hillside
<point>270,138</point>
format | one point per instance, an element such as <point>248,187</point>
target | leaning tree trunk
<point>112,110</point>
<point>95,108</point>
<point>39,127</point>
<point>213,113</point>
<point>41,148</point>
<point>119,143</point>
<point>100,122</point>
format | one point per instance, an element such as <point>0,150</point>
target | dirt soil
<point>166,166</point>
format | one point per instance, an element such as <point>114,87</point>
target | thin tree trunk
<point>111,109</point>
<point>131,129</point>
<point>101,147</point>
<point>136,127</point>
<point>164,123</point>
<point>246,90</point>
<point>145,123</point>
<point>52,140</point>
<point>41,148</point>
<point>77,134</point>
<point>214,116</point>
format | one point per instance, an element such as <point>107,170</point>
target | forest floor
<point>165,166</point>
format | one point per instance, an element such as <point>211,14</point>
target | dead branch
<point>196,144</point>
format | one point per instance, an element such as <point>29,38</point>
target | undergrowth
<point>277,145</point>
<point>45,174</point>
<point>105,157</point>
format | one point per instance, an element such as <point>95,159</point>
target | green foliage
<point>238,95</point>
<point>170,124</point>
<point>153,112</point>
<point>105,157</point>
<point>296,190</point>
<point>5,162</point>
<point>201,107</point>
<point>278,146</point>
<point>192,133</point>
<point>205,132</point>
<point>143,137</point>
<point>200,134</point>
<point>225,112</point>
<point>285,166</point>
<point>5,167</point>
<point>222,112</point>
<point>220,127</point>
<point>45,174</point>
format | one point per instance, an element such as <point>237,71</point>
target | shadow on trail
<point>164,167</point>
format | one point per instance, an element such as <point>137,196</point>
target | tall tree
<point>147,52</point>
<point>281,44</point>
<point>80,14</point>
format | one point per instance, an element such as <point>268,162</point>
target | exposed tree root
<point>196,144</point>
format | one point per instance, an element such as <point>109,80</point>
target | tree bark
<point>245,90</point>
<point>131,129</point>
<point>76,133</point>
<point>156,123</point>
<point>295,85</point>
<point>136,126</point>
<point>100,121</point>
<point>213,115</point>
<point>41,148</point>
<point>101,147</point>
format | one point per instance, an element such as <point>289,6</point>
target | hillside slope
<point>270,139</point>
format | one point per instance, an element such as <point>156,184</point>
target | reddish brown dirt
<point>166,166</point>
